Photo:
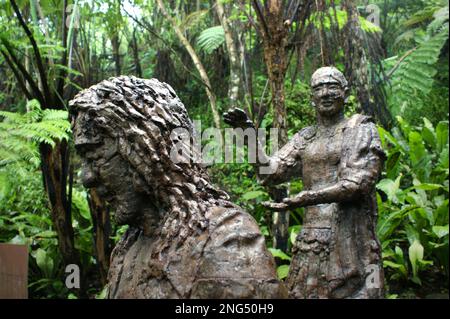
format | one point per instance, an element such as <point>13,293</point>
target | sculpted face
<point>122,132</point>
<point>329,89</point>
<point>104,168</point>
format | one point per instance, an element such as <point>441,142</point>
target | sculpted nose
<point>325,92</point>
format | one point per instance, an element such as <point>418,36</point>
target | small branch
<point>395,67</point>
<point>39,63</point>
<point>17,75</point>
<point>250,18</point>
<point>63,73</point>
<point>264,30</point>
<point>24,72</point>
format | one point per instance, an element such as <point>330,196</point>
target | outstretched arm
<point>271,170</point>
<point>360,167</point>
<point>340,192</point>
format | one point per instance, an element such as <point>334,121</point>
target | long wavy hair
<point>142,114</point>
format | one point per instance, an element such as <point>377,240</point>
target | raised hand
<point>237,118</point>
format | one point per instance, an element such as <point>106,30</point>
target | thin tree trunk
<point>54,161</point>
<point>102,231</point>
<point>135,49</point>
<point>196,60</point>
<point>235,78</point>
<point>116,54</point>
<point>274,32</point>
<point>54,166</point>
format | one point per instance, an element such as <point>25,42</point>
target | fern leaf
<point>416,73</point>
<point>50,114</point>
<point>210,39</point>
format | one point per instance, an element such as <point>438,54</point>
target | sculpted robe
<point>336,254</point>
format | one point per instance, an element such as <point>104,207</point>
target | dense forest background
<point>255,55</point>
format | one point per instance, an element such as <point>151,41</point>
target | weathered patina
<point>337,253</point>
<point>185,238</point>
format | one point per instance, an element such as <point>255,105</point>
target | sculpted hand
<point>288,203</point>
<point>237,118</point>
<point>279,207</point>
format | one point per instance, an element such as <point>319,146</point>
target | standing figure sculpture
<point>185,239</point>
<point>337,253</point>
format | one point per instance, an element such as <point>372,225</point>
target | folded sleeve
<point>285,164</point>
<point>363,156</point>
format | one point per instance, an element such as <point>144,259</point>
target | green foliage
<point>193,19</point>
<point>25,216</point>
<point>414,77</point>
<point>210,39</point>
<point>413,216</point>
<point>413,195</point>
<point>341,16</point>
<point>20,133</point>
<point>25,219</point>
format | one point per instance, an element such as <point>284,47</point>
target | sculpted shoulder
<point>236,263</point>
<point>357,119</point>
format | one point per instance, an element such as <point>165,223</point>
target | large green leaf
<point>415,256</point>
<point>440,231</point>
<point>44,262</point>
<point>279,253</point>
<point>441,135</point>
<point>419,156</point>
<point>390,188</point>
<point>252,195</point>
<point>282,271</point>
<point>428,133</point>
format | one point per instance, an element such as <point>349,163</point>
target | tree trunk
<point>54,166</point>
<point>358,69</point>
<point>274,32</point>
<point>235,78</point>
<point>54,161</point>
<point>198,64</point>
<point>137,62</point>
<point>116,54</point>
<point>102,231</point>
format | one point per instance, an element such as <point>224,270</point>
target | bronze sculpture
<point>185,239</point>
<point>337,254</point>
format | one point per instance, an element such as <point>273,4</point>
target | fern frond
<point>192,19</point>
<point>20,134</point>
<point>440,17</point>
<point>210,39</point>
<point>50,114</point>
<point>416,73</point>
<point>11,117</point>
<point>341,17</point>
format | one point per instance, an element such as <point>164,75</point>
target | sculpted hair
<point>141,114</point>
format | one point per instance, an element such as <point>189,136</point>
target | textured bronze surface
<point>186,239</point>
<point>337,253</point>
